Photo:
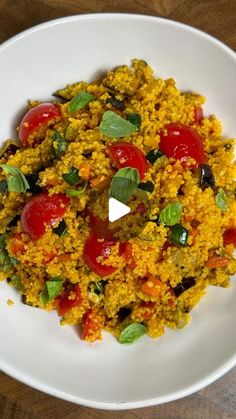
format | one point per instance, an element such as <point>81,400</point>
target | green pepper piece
<point>179,235</point>
<point>72,177</point>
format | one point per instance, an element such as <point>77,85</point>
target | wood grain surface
<point>217,17</point>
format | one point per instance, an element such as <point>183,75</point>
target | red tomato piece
<point>92,325</point>
<point>41,211</point>
<point>129,257</point>
<point>182,142</point>
<point>128,155</point>
<point>198,115</point>
<point>17,245</point>
<point>71,298</point>
<point>96,247</point>
<point>100,226</point>
<point>229,236</point>
<point>48,257</point>
<point>35,118</point>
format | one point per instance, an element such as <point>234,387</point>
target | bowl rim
<point>91,16</point>
<point>223,368</point>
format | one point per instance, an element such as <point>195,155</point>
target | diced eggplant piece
<point>33,183</point>
<point>207,179</point>
<point>184,286</point>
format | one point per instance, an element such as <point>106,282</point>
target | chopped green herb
<point>221,200</point>
<point>99,287</point>
<point>171,214</point>
<point>77,192</point>
<point>132,333</point>
<point>153,155</point>
<point>16,281</point>
<point>51,290</point>
<point>3,186</point>
<point>6,262</point>
<point>114,126</point>
<point>179,235</point>
<point>146,186</point>
<point>70,132</point>
<point>123,184</point>
<point>14,261</point>
<point>3,241</point>
<point>16,181</point>
<point>135,119</point>
<point>72,177</point>
<point>61,229</point>
<point>80,101</point>
<point>59,145</point>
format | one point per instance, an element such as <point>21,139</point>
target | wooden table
<point>217,17</point>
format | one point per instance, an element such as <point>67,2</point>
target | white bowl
<point>33,347</point>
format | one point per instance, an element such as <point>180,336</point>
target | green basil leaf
<point>135,119</point>
<point>3,186</point>
<point>132,333</point>
<point>114,126</point>
<point>59,145</point>
<point>16,181</point>
<point>221,200</point>
<point>51,290</point>
<point>61,229</point>
<point>77,192</point>
<point>80,101</point>
<point>123,184</point>
<point>16,281</point>
<point>72,177</point>
<point>171,214</point>
<point>146,186</point>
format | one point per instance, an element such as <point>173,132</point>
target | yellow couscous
<point>140,140</point>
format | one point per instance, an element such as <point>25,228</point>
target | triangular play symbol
<point>116,210</point>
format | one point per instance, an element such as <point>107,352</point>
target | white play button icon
<point>116,210</point>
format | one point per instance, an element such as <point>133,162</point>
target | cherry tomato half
<point>35,118</point>
<point>71,298</point>
<point>100,226</point>
<point>229,236</point>
<point>182,142</point>
<point>41,211</point>
<point>96,247</point>
<point>128,155</point>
